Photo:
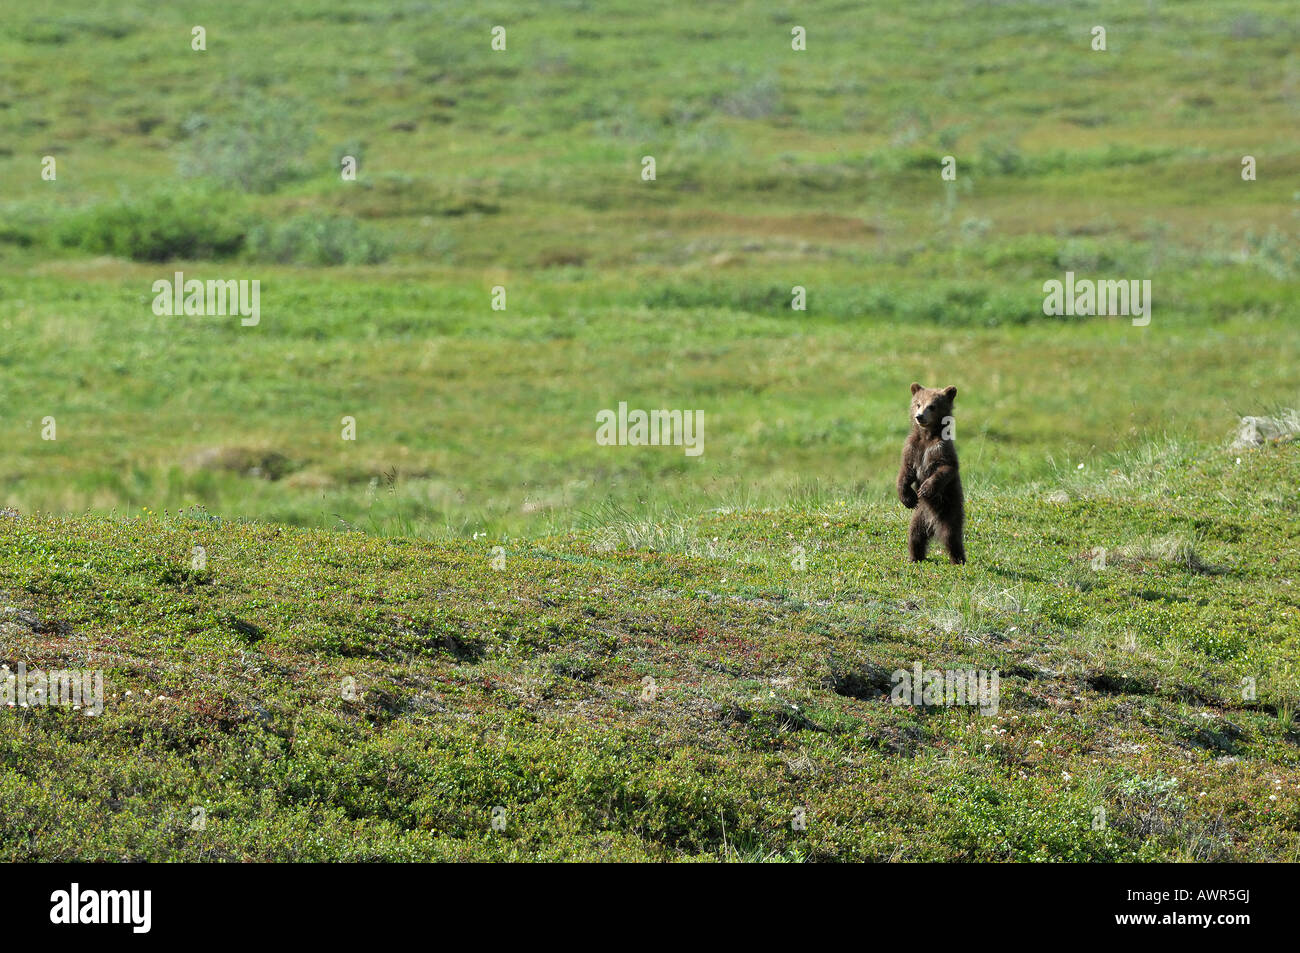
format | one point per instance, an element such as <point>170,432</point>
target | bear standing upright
<point>928,480</point>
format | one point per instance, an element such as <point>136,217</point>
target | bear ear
<point>950,392</point>
<point>915,387</point>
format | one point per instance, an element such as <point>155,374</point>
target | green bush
<point>155,228</point>
<point>938,303</point>
<point>257,149</point>
<point>317,240</point>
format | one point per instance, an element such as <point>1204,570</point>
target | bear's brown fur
<point>928,480</point>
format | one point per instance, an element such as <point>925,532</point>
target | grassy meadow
<point>497,584</point>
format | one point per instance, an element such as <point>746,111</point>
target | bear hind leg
<point>952,541</point>
<point>918,537</point>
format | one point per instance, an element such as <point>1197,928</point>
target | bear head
<point>930,405</point>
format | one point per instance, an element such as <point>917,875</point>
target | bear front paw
<point>908,499</point>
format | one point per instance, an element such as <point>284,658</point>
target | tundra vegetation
<point>476,611</point>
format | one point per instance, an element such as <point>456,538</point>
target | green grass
<point>524,687</point>
<point>521,169</point>
<point>468,421</point>
<point>475,428</point>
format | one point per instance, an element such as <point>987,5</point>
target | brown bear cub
<point>928,481</point>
